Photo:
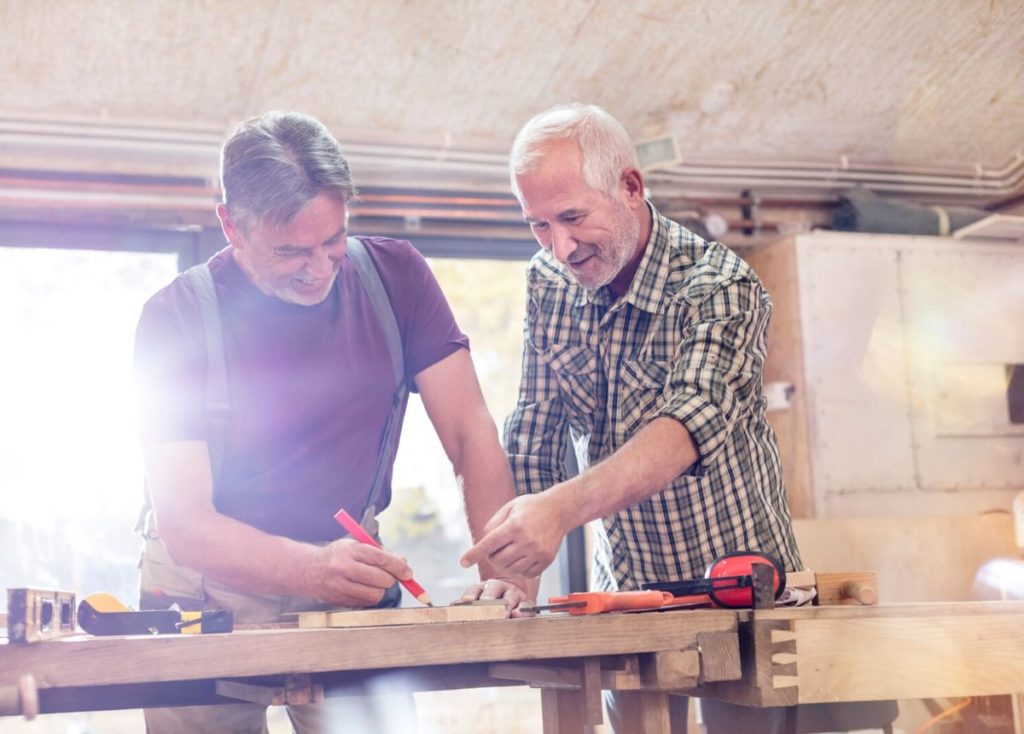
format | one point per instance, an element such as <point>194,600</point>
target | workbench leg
<point>643,712</point>
<point>562,711</point>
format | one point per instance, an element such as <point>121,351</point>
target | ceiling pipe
<point>1010,171</point>
<point>825,177</point>
<point>141,145</point>
<point>1002,182</point>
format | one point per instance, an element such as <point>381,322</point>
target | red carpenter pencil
<point>356,531</point>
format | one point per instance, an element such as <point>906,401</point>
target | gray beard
<point>268,290</point>
<point>625,234</point>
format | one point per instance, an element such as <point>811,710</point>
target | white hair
<point>604,144</point>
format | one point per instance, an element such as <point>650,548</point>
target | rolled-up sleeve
<point>715,377</point>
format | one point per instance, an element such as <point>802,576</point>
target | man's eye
<point>539,225</point>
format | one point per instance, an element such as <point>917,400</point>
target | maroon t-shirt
<point>311,386</point>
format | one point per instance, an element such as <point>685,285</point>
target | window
<point>71,476</point>
<point>426,521</point>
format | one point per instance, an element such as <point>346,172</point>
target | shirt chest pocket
<point>639,392</point>
<point>575,371</point>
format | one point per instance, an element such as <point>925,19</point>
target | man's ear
<point>633,187</point>
<point>227,224</point>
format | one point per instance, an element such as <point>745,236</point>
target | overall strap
<point>218,398</point>
<point>371,282</point>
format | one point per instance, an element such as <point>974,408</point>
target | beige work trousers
<point>354,709</point>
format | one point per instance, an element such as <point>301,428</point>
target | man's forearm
<point>239,555</point>
<point>645,465</point>
<point>524,536</point>
<point>486,482</point>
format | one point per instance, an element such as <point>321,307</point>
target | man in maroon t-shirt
<point>311,383</point>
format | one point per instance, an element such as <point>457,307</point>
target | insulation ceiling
<point>907,86</point>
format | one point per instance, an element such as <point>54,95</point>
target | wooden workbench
<point>764,658</point>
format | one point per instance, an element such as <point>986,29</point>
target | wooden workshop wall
<point>924,558</point>
<point>777,267</point>
<point>897,349</point>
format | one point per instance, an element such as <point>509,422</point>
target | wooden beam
<point>800,579</point>
<point>98,661</point>
<point>644,712</point>
<point>617,674</point>
<point>850,587</point>
<point>593,705</point>
<point>293,691</point>
<point>671,670</point>
<point>886,658</point>
<point>21,699</point>
<point>402,616</point>
<point>765,681</point>
<point>561,711</point>
<point>777,266</point>
<point>539,675</point>
<point>856,653</point>
<point>719,656</point>
<point>203,692</point>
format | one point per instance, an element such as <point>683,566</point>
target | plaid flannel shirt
<point>687,340</point>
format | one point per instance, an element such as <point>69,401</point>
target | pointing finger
<point>488,545</point>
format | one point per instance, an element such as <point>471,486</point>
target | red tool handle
<point>356,531</point>
<point>596,602</point>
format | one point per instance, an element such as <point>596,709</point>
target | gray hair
<point>274,164</point>
<point>604,144</point>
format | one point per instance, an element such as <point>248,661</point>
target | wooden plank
<point>850,587</point>
<point>921,612</point>
<point>202,692</point>
<point>561,711</point>
<point>83,660</point>
<point>402,616</point>
<point>800,579</point>
<point>593,706</point>
<point>542,676</point>
<point>295,690</point>
<point>855,653</point>
<point>776,265</point>
<point>644,712</point>
<point>617,674</point>
<point>21,699</point>
<point>671,670</point>
<point>719,656</point>
<point>250,692</point>
<point>871,659</point>
<point>763,681</point>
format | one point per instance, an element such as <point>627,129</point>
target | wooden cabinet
<point>900,351</point>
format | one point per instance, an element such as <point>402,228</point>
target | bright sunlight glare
<point>66,386</point>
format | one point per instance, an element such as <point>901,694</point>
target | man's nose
<point>562,243</point>
<point>320,264</point>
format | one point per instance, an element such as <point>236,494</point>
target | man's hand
<point>522,538</point>
<point>514,592</point>
<point>352,574</point>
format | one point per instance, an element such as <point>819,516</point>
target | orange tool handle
<point>596,602</point>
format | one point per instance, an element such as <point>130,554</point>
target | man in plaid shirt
<point>645,346</point>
